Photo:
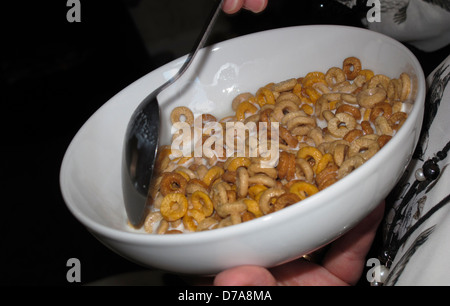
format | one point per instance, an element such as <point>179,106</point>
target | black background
<point>54,75</point>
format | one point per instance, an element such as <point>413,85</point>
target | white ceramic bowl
<point>90,175</point>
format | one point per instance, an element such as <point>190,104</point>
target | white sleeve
<point>424,24</point>
<point>420,215</point>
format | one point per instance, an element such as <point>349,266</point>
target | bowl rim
<point>239,229</point>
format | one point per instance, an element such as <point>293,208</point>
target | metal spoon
<point>142,135</point>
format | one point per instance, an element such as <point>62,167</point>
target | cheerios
<point>328,124</point>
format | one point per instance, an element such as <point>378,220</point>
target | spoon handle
<point>200,43</point>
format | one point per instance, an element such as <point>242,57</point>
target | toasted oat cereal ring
<point>340,153</point>
<point>367,127</point>
<point>341,124</point>
<point>312,78</point>
<point>265,201</point>
<point>366,113</point>
<point>151,220</point>
<point>334,75</point>
<point>310,152</point>
<point>244,108</point>
<point>344,87</point>
<point>196,185</point>
<point>301,125</point>
<point>397,106</point>
<point>174,206</point>
<point>253,207</point>
<point>382,126</point>
<point>327,177</point>
<point>264,115</point>
<point>163,227</point>
<point>255,191</point>
<point>397,119</point>
<point>173,232</point>
<point>227,209</point>
<point>241,182</point>
<point>353,134</point>
<point>321,88</point>
<point>349,165</point>
<point>346,108</point>
<point>351,67</point>
<point>308,109</point>
<point>181,112</point>
<point>262,179</point>
<point>290,175</point>
<point>186,171</point>
<point>379,80</point>
<point>239,99</point>
<point>289,96</point>
<point>189,223</point>
<point>202,202</point>
<point>324,162</point>
<point>383,139</point>
<point>289,116</point>
<point>324,103</point>
<point>328,182</point>
<point>381,108</point>
<point>406,86</point>
<point>287,137</point>
<point>368,74</point>
<point>312,94</point>
<point>286,85</point>
<point>394,90</point>
<point>192,218</point>
<point>306,168</point>
<point>303,189</point>
<point>328,115</point>
<point>349,98</point>
<point>237,162</point>
<point>225,222</point>
<point>247,216</point>
<point>197,214</point>
<point>184,174</point>
<point>257,168</point>
<point>207,224</point>
<point>368,98</point>
<point>285,200</point>
<point>297,90</point>
<point>316,134</point>
<point>213,173</point>
<point>172,182</point>
<point>231,194</point>
<point>265,96</point>
<point>359,81</point>
<point>229,176</point>
<point>219,193</point>
<point>282,108</point>
<point>364,147</point>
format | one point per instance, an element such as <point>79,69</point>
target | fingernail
<point>230,6</point>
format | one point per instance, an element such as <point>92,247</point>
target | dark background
<point>54,75</point>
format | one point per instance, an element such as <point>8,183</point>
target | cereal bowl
<point>90,176</point>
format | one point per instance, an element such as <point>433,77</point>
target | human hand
<point>233,6</point>
<point>343,263</point>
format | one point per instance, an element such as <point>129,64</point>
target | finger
<point>232,6</point>
<point>245,276</point>
<point>303,273</point>
<point>255,6</point>
<point>346,256</point>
